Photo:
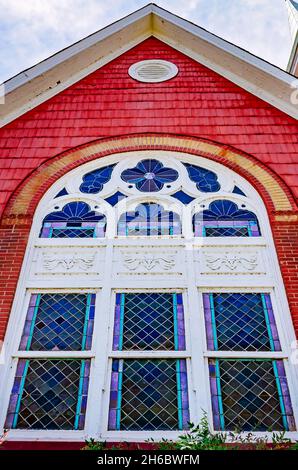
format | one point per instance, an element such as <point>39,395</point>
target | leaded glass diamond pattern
<point>73,232</point>
<point>226,232</point>
<point>149,395</point>
<point>240,322</point>
<point>148,321</point>
<point>50,395</point>
<point>249,396</point>
<point>56,322</point>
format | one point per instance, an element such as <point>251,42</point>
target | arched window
<point>149,219</point>
<point>75,220</point>
<point>135,311</point>
<point>225,219</point>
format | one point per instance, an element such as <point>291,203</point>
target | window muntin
<point>49,394</point>
<point>59,322</point>
<point>149,395</point>
<point>149,219</point>
<point>225,219</point>
<point>149,321</point>
<point>240,322</point>
<point>75,220</point>
<point>250,395</point>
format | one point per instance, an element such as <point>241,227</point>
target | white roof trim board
<point>35,85</point>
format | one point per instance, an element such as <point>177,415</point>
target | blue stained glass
<point>49,394</point>
<point>149,175</point>
<point>239,191</point>
<point>183,197</point>
<point>246,395</point>
<point>115,198</point>
<point>206,180</point>
<point>61,193</point>
<point>149,395</point>
<point>227,210</point>
<point>224,218</point>
<point>240,322</point>
<point>60,322</point>
<point>75,220</point>
<point>94,181</point>
<point>149,219</point>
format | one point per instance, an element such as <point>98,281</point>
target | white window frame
<point>190,283</point>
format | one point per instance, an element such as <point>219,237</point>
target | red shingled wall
<point>198,102</point>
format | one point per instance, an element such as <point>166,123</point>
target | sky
<point>32,30</point>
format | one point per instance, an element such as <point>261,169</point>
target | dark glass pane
<point>240,322</point>
<point>148,322</point>
<point>149,175</point>
<point>94,181</point>
<point>50,395</point>
<point>249,396</point>
<point>206,180</point>
<point>58,323</point>
<point>149,395</point>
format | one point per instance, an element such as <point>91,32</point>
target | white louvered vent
<point>153,71</point>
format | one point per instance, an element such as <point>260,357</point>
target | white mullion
<point>53,355</point>
<point>149,354</point>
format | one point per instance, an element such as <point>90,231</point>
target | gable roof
<point>44,80</point>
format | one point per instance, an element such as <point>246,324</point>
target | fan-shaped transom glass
<point>75,220</point>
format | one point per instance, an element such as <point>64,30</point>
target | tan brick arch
<point>272,189</point>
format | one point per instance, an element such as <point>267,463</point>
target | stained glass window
<point>75,220</point>
<point>149,175</point>
<point>240,322</point>
<point>206,180</point>
<point>148,394</point>
<point>149,321</point>
<point>225,219</point>
<point>183,197</point>
<point>94,181</point>
<point>59,322</point>
<point>49,394</point>
<point>149,219</point>
<point>250,395</point>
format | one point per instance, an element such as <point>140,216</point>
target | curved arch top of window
<point>75,220</point>
<point>225,219</point>
<point>149,175</point>
<point>206,180</point>
<point>94,181</point>
<point>149,219</point>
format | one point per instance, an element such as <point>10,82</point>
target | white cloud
<point>34,29</point>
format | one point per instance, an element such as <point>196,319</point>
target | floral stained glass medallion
<point>149,175</point>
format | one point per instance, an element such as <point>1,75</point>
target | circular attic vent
<point>153,71</point>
